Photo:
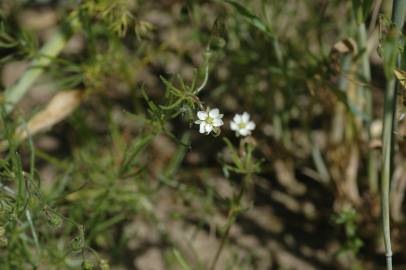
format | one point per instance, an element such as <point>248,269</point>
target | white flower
<point>209,120</point>
<point>242,125</point>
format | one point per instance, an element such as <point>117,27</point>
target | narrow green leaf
<point>251,18</point>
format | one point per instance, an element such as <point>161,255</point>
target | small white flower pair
<point>210,120</point>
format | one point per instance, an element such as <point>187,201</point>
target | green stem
<point>206,72</point>
<point>51,49</point>
<point>277,49</point>
<point>33,231</point>
<point>232,216</point>
<point>398,16</point>
<point>177,159</point>
<point>390,104</point>
<point>367,94</point>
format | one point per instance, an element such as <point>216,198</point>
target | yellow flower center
<point>209,120</point>
<point>241,125</point>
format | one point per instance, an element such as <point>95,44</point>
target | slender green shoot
<point>391,52</point>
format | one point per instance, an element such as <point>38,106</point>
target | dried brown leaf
<point>401,76</point>
<point>58,108</point>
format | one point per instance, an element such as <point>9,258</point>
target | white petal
<point>214,113</point>
<point>202,127</point>
<point>244,132</point>
<point>217,122</point>
<point>237,119</point>
<point>198,122</point>
<point>208,128</point>
<point>245,117</point>
<point>202,115</point>
<point>250,125</point>
<point>233,125</point>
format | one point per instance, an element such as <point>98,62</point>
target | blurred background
<point>102,166</point>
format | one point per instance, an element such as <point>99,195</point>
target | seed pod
<point>12,216</point>
<point>77,244</point>
<point>7,210</point>
<point>54,220</point>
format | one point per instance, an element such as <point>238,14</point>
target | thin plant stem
<point>33,231</point>
<point>374,16</point>
<point>232,216</point>
<point>206,72</point>
<point>367,94</point>
<point>390,104</point>
<point>398,16</point>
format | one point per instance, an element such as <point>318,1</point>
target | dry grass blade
<point>401,76</point>
<point>58,108</point>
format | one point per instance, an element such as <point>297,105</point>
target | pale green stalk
<point>33,231</point>
<point>367,94</point>
<point>48,52</point>
<point>398,16</point>
<point>390,102</point>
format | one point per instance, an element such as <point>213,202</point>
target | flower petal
<point>208,128</point>
<point>237,119</point>
<point>202,127</point>
<point>214,113</point>
<point>233,125</point>
<point>244,132</point>
<point>245,117</point>
<point>202,115</point>
<point>250,125</point>
<point>198,122</point>
<point>217,122</point>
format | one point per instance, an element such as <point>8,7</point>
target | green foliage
<point>243,160</point>
<point>348,220</point>
<point>390,50</point>
<point>115,14</point>
<point>127,175</point>
<point>251,18</point>
<point>361,9</point>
